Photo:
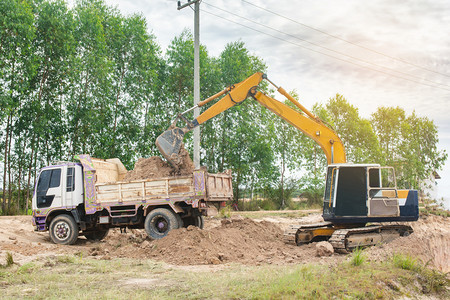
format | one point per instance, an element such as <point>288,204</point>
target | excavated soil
<point>430,243</point>
<point>156,167</point>
<point>236,240</point>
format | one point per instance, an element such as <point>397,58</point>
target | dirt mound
<point>236,240</point>
<point>430,243</point>
<point>156,167</point>
<point>151,167</point>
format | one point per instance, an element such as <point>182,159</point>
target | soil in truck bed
<point>156,167</point>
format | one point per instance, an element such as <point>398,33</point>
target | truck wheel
<point>194,221</point>
<point>96,235</point>
<point>159,222</point>
<point>64,230</point>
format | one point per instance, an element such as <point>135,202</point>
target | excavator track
<point>345,240</point>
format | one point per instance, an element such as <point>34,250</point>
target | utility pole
<point>196,75</point>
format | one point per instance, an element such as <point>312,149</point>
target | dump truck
<point>361,201</point>
<point>89,196</point>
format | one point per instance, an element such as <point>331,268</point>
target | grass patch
<point>72,277</point>
<point>434,210</point>
<point>67,259</point>
<point>431,280</point>
<point>9,261</point>
<point>406,262</point>
<point>357,257</point>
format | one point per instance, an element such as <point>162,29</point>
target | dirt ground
<point>235,240</point>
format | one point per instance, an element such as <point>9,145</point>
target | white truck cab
<point>91,196</point>
<point>59,186</point>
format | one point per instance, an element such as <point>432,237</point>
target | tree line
<point>88,79</point>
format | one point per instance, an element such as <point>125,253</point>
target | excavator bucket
<point>169,144</point>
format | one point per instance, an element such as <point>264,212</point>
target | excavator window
<point>374,178</point>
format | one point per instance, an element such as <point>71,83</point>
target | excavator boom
<point>170,141</point>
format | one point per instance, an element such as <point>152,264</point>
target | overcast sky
<point>412,30</point>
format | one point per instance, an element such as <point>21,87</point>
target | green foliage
<point>66,259</point>
<point>434,210</point>
<point>9,260</point>
<point>432,280</point>
<point>406,262</point>
<point>281,196</point>
<point>408,143</point>
<point>358,257</point>
<point>225,212</point>
<point>356,133</point>
<point>85,78</point>
<point>374,280</point>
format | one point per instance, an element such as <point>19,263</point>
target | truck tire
<point>159,222</point>
<point>194,221</point>
<point>64,230</point>
<point>97,235</point>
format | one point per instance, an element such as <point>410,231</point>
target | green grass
<point>434,210</point>
<point>75,277</point>
<point>357,257</point>
<point>406,262</point>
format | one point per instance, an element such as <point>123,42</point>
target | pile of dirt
<point>156,167</point>
<point>151,167</point>
<point>235,240</point>
<point>430,243</point>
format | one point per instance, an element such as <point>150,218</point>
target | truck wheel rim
<point>161,225</point>
<point>62,230</point>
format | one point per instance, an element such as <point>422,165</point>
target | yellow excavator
<point>359,199</point>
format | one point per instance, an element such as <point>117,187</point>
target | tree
<point>409,143</point>
<point>356,133</point>
<point>288,148</point>
<point>387,123</point>
<point>16,69</point>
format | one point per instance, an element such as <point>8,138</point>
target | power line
<point>328,49</point>
<point>347,41</point>
<point>326,54</point>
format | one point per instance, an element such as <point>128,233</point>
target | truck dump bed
<point>199,185</point>
<point>105,189</point>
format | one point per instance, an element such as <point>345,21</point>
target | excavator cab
<point>364,193</point>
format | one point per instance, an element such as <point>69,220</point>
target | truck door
<point>48,192</point>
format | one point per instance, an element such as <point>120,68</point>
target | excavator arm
<point>170,141</point>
